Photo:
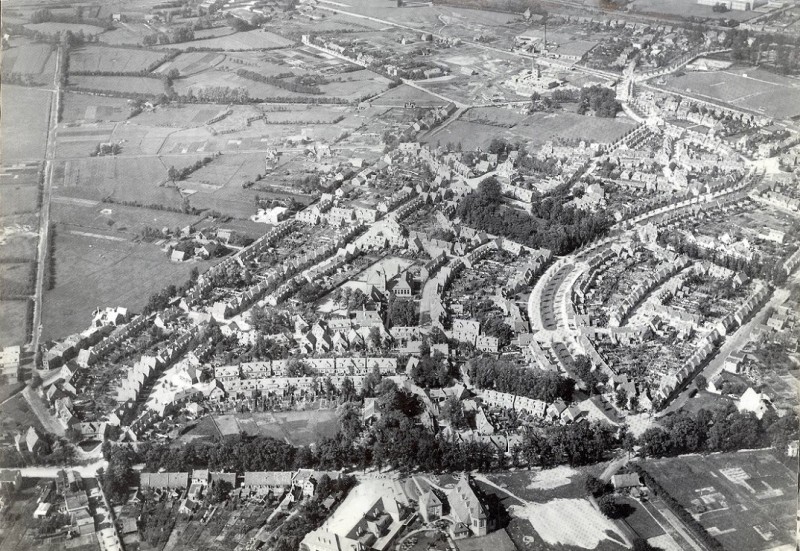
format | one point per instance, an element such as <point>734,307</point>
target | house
<point>164,481</point>
<point>430,506</point>
<point>754,402</point>
<point>30,441</point>
<point>467,510</point>
<point>622,481</point>
<point>466,331</point>
<point>267,482</point>
<point>306,480</point>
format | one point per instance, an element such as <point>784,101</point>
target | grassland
<point>122,178</point>
<point>179,115</point>
<point>299,428</point>
<point>105,59</point>
<point>748,88</point>
<point>95,269</point>
<point>745,500</point>
<point>250,40</point>
<point>122,85</point>
<point>18,199</point>
<point>27,59</point>
<point>55,28</point>
<point>403,94</point>
<point>24,130</point>
<point>192,62</point>
<point>89,108</point>
<point>18,237</point>
<point>13,315</point>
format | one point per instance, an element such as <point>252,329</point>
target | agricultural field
<point>300,428</point>
<point>92,268</point>
<point>180,115</point>
<point>27,122</point>
<point>129,34</point>
<point>18,237</point>
<point>93,58</point>
<point>28,60</point>
<point>17,279</point>
<point>52,27</point>
<point>745,500</point>
<point>13,316</point>
<point>122,178</point>
<point>747,88</point>
<point>89,108</point>
<point>686,8</point>
<point>18,199</point>
<point>250,40</point>
<point>218,185</point>
<point>192,62</point>
<point>121,85</point>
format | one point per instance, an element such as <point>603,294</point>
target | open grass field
<point>88,108</point>
<point>18,237</point>
<point>124,85</point>
<point>192,62</point>
<point>249,40</point>
<point>400,95</point>
<point>17,279</point>
<point>218,185</point>
<point>746,500</point>
<point>127,34</point>
<point>12,322</point>
<point>686,8</point>
<point>748,88</point>
<point>27,59</point>
<point>122,178</point>
<point>105,59</point>
<point>18,199</point>
<point>299,428</point>
<point>179,115</point>
<point>52,27</point>
<point>542,127</point>
<point>25,119</point>
<point>95,269</point>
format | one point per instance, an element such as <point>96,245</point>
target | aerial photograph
<point>399,275</point>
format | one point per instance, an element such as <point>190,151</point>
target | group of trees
<point>402,312</point>
<point>433,371</point>
<point>177,174</point>
<point>184,33</point>
<point>725,430</point>
<point>500,375</point>
<point>268,321</point>
<point>551,224</point>
<point>352,299</point>
<point>576,444</point>
<point>599,99</point>
<point>281,81</point>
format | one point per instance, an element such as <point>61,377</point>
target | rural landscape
<point>400,275</point>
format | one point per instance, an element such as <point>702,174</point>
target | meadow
<point>121,85</point>
<point>90,108</point>
<point>26,122</point>
<point>104,59</point>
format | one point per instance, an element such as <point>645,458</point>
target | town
<point>395,275</point>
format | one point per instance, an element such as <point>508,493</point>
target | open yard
<point>95,269</point>
<point>748,88</point>
<point>746,500</point>
<point>118,60</point>
<point>88,108</point>
<point>24,129</point>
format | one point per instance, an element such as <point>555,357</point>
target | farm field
<point>745,500</point>
<point>88,108</point>
<point>26,122</point>
<point>18,237</point>
<point>27,59</point>
<point>122,178</point>
<point>94,268</point>
<point>129,34</point>
<point>300,428</point>
<point>13,314</point>
<point>192,62</point>
<point>105,59</point>
<point>249,40</point>
<point>123,85</point>
<point>686,8</point>
<point>18,199</point>
<point>744,87</point>
<point>179,115</point>
<point>52,27</point>
<point>17,279</point>
<point>218,185</point>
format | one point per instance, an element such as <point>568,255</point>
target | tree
<point>609,506</point>
<point>596,487</point>
<point>219,491</point>
<point>403,313</point>
<point>118,476</point>
<point>700,382</point>
<point>621,398</point>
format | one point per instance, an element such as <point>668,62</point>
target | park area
<point>746,500</point>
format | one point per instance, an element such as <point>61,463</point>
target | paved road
<point>86,471</point>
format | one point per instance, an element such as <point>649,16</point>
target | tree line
<point>503,376</point>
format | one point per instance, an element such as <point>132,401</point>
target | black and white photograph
<point>399,275</point>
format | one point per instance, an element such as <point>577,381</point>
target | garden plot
<point>90,108</point>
